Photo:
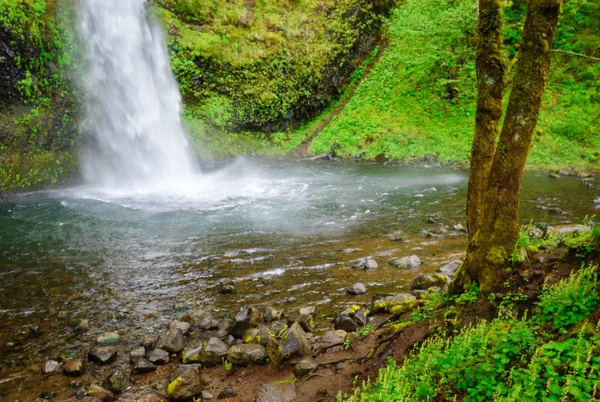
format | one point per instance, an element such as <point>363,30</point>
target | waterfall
<point>133,102</point>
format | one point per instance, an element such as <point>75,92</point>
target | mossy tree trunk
<point>497,218</point>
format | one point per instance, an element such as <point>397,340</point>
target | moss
<point>172,387</point>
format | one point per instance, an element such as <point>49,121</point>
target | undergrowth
<point>530,358</point>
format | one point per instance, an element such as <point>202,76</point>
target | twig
<point>576,54</point>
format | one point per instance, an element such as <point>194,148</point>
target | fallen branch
<point>576,54</point>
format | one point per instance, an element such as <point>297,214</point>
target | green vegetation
<point>420,97</point>
<point>508,358</point>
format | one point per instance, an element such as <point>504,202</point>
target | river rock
<point>227,393</point>
<point>427,281</point>
<point>397,304</point>
<point>148,341</point>
<point>108,338</point>
<point>52,367</point>
<point>283,392</point>
<point>102,354</point>
<point>151,397</point>
<point>183,326</point>
<point>224,327</point>
<point>137,354</point>
<point>142,366</point>
<point>345,323</point>
<point>304,367</point>
<point>295,342</point>
<point>308,310</point>
<point>450,268</point>
<point>244,319</point>
<point>99,392</point>
<point>74,367</point>
<point>357,289</point>
<point>371,264</point>
<point>267,280</point>
<point>191,354</point>
<point>207,396</point>
<point>208,322</point>
<point>330,339</point>
<point>421,294</point>
<point>272,314</point>
<point>117,381</point>
<point>250,335</point>
<point>306,322</point>
<point>410,262</point>
<point>171,340</point>
<point>248,353</point>
<point>278,328</point>
<point>213,353</point>
<point>84,399</point>
<point>185,386</point>
<point>361,317</point>
<point>159,356</point>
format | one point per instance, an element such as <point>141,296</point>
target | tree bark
<point>493,243</point>
<point>490,66</point>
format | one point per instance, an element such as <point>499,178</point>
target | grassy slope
<point>403,109</point>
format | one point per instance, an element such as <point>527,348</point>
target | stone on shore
<point>52,367</point>
<point>159,356</point>
<point>117,381</point>
<point>283,392</point>
<point>108,338</point>
<point>296,342</point>
<point>102,354</point>
<point>426,281</point>
<point>410,262</point>
<point>171,340</point>
<point>185,386</point>
<point>304,367</point>
<point>357,289</point>
<point>74,367</point>
<point>245,354</point>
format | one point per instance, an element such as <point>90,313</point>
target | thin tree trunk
<point>490,67</point>
<point>495,240</point>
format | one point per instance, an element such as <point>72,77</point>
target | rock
<point>209,322</point>
<point>406,262</point>
<point>171,340</point>
<point>224,327</point>
<point>283,392</point>
<point>185,386</point>
<point>357,289</point>
<point>102,354</point>
<point>159,356</point>
<point>304,367</point>
<point>207,396</point>
<point>360,317</point>
<point>129,397</point>
<point>213,353</point>
<point>289,300</point>
<point>244,319</point>
<point>137,354</point>
<point>432,221</point>
<point>371,264</point>
<point>74,367</point>
<point>151,397</point>
<point>148,341</point>
<point>263,333</point>
<point>459,228</point>
<point>230,340</point>
<point>566,229</point>
<point>183,326</point>
<point>308,310</point>
<point>345,323</point>
<point>250,335</point>
<point>117,381</point>
<point>427,281</point>
<point>278,328</point>
<point>108,338</point>
<point>247,353</point>
<point>227,289</point>
<point>450,268</point>
<point>82,326</point>
<point>191,354</point>
<point>295,342</point>
<point>306,322</point>
<point>396,304</point>
<point>143,366</point>
<point>99,392</point>
<point>227,393</point>
<point>52,367</point>
<point>267,280</point>
<point>331,338</point>
<point>421,294</point>
<point>84,399</point>
<point>319,157</point>
<point>554,175</point>
<point>272,314</point>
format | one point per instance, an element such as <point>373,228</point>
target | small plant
<point>347,343</point>
<point>227,364</point>
<point>468,297</point>
<point>364,331</point>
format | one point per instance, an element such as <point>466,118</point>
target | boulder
<point>361,317</point>
<point>406,262</point>
<point>191,354</point>
<point>183,326</point>
<point>213,353</point>
<point>159,356</point>
<point>331,338</point>
<point>74,367</point>
<point>371,264</point>
<point>427,281</point>
<point>304,367</point>
<point>450,268</point>
<point>148,341</point>
<point>250,335</point>
<point>99,392</point>
<point>171,340</point>
<point>306,322</point>
<point>244,319</point>
<point>142,366</point>
<point>278,328</point>
<point>397,304</point>
<point>117,381</point>
<point>185,386</point>
<point>308,310</point>
<point>357,289</point>
<point>52,367</point>
<point>295,342</point>
<point>137,354</point>
<point>247,353</point>
<point>102,354</point>
<point>345,323</point>
<point>108,338</point>
<point>282,392</point>
<point>272,314</point>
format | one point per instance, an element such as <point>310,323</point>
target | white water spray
<point>134,104</point>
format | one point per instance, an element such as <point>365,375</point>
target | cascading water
<point>133,102</point>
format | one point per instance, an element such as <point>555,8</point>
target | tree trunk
<point>490,66</point>
<point>493,243</point>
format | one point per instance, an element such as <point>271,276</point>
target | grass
<point>531,358</point>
